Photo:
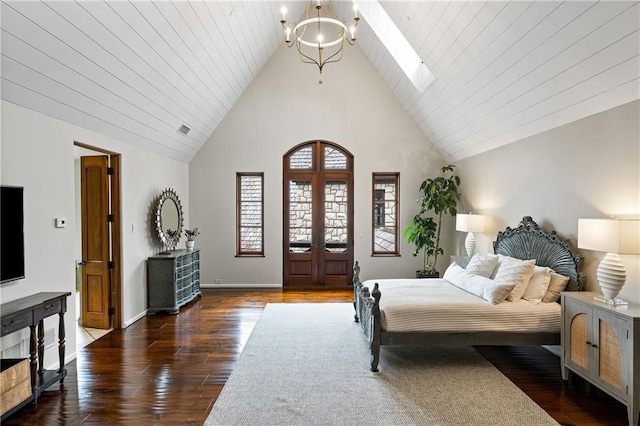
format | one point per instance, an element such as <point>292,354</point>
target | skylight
<point>397,45</point>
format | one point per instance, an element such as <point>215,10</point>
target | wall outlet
<point>218,281</point>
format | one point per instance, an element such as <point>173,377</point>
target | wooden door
<point>96,280</point>
<point>318,216</point>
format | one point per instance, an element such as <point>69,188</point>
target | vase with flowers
<point>191,235</point>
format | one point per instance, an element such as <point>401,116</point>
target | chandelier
<point>320,39</point>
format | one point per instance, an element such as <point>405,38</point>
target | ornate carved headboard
<point>528,241</point>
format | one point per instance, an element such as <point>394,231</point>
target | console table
<point>30,312</point>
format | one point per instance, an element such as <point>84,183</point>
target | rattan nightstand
<point>601,343</point>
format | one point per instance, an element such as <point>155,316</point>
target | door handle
<point>314,240</point>
<point>83,263</point>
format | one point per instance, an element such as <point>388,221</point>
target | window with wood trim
<point>250,214</point>
<point>386,208</point>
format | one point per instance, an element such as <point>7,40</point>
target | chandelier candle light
<point>470,223</point>
<point>613,237</point>
<point>317,33</point>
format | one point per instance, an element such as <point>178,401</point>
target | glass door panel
<point>336,216</point>
<point>300,216</point>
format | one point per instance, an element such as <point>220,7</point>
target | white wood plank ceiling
<point>139,70</point>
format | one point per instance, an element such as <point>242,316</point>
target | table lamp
<point>612,237</point>
<point>470,223</point>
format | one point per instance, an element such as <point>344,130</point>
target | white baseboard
<point>67,360</point>
<point>240,285</point>
<point>134,319</point>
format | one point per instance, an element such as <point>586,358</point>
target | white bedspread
<point>437,305</point>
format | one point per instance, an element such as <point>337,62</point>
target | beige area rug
<point>308,364</point>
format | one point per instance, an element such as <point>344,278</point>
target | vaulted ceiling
<point>139,70</point>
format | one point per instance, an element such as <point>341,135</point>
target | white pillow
<point>501,257</point>
<point>482,264</point>
<point>517,272</point>
<point>480,286</point>
<point>538,285</point>
<point>557,284</point>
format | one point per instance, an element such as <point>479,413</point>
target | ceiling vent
<point>183,130</point>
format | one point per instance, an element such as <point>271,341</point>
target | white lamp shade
<point>470,222</point>
<point>599,235</point>
<point>609,235</point>
<point>629,236</point>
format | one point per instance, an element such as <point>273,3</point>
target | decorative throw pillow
<point>488,289</point>
<point>557,284</point>
<point>517,272</point>
<point>482,264</point>
<point>501,257</point>
<point>538,285</point>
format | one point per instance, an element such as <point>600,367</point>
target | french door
<point>318,216</point>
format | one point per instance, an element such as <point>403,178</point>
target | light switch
<point>61,222</point>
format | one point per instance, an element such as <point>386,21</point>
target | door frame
<point>116,232</point>
<point>318,175</point>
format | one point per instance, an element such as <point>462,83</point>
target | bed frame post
<point>356,289</point>
<point>375,338</point>
<point>367,307</point>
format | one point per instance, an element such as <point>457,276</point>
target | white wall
<point>37,152</point>
<point>285,106</point>
<point>585,169</point>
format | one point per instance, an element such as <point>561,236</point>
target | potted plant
<point>191,235</point>
<point>440,196</point>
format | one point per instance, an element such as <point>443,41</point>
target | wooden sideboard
<point>30,312</point>
<point>173,280</point>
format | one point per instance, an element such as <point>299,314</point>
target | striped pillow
<point>538,285</point>
<point>557,284</point>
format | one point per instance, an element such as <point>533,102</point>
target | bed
<point>435,312</point>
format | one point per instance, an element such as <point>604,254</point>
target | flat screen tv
<point>11,233</point>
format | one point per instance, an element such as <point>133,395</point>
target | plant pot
<point>190,244</point>
<point>435,274</point>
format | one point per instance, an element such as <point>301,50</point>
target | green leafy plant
<point>439,196</point>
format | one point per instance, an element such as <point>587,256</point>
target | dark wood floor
<point>170,369</point>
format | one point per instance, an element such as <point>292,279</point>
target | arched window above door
<point>334,159</point>
<point>318,156</point>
